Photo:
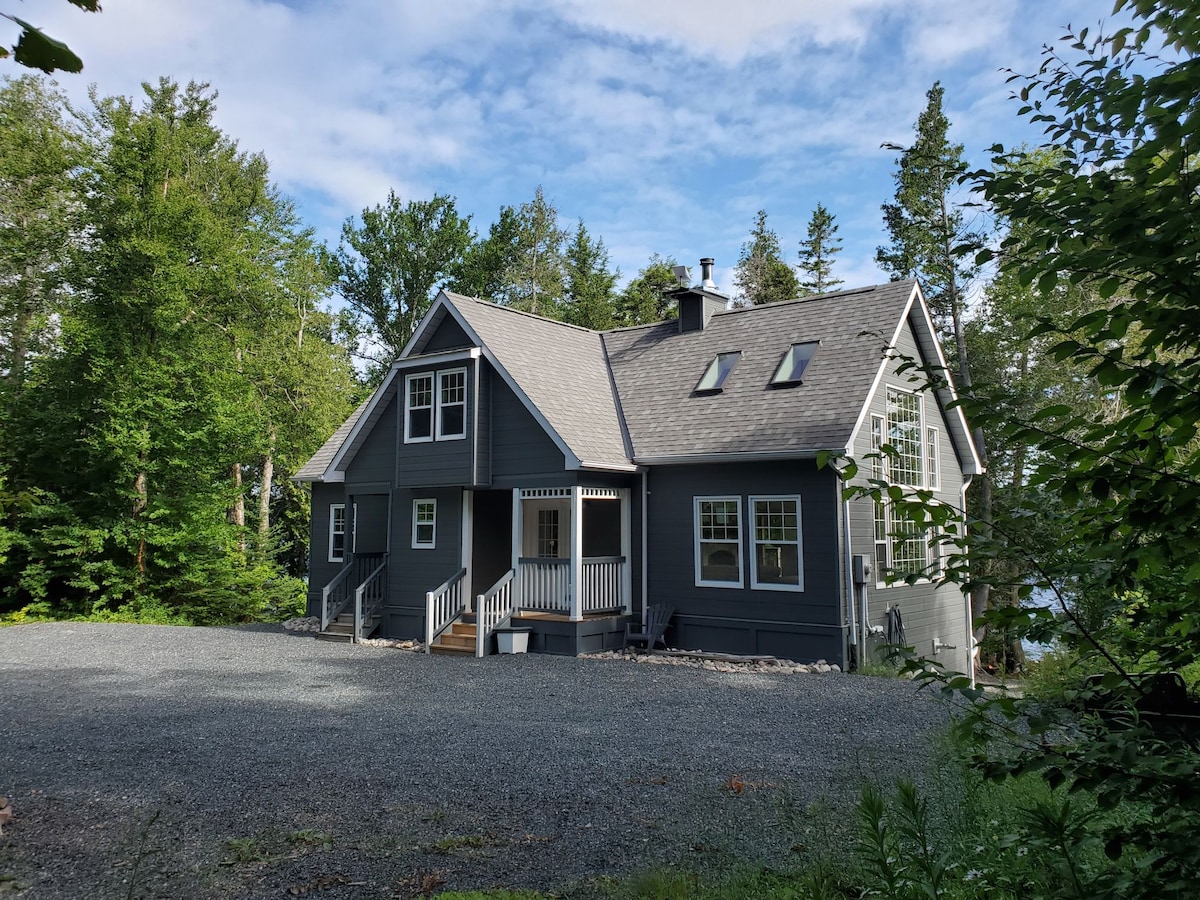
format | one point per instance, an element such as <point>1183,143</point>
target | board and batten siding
<point>799,625</point>
<point>927,610</point>
<point>412,572</point>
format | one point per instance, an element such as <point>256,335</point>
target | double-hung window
<point>418,408</point>
<point>777,561</point>
<point>424,524</point>
<point>718,529</point>
<point>337,532</point>
<point>452,404</point>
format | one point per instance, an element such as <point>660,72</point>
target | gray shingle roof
<point>314,469</point>
<point>561,368</point>
<point>656,370</point>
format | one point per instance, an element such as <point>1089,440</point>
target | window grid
<point>419,408</point>
<point>718,541</point>
<point>910,549</point>
<point>878,471</point>
<point>337,532</point>
<point>777,543</point>
<point>904,436</point>
<point>931,458</point>
<point>547,535</point>
<point>452,402</point>
<point>424,523</point>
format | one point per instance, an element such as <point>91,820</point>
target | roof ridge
<point>810,298</point>
<point>492,304</point>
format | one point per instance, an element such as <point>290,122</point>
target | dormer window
<point>794,362</point>
<point>713,380</point>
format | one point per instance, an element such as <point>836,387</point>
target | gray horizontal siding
<point>320,570</point>
<point>448,335</point>
<point>928,610</point>
<point>413,572</point>
<point>803,625</point>
<point>375,461</point>
<point>433,463</point>
<point>523,455</point>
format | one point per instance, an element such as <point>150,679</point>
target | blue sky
<point>664,125</point>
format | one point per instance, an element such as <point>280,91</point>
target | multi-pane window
<point>424,524</point>
<point>931,458</point>
<point>776,560</point>
<point>718,541</point>
<point>904,437</point>
<point>452,403</point>
<point>547,533</point>
<point>901,544</point>
<point>337,532</point>
<point>418,408</point>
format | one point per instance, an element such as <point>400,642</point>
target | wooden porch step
<point>447,650</point>
<point>459,639</point>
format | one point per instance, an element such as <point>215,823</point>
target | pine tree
<point>646,299</point>
<point>762,276</point>
<point>590,285</point>
<point>534,279</point>
<point>817,251</point>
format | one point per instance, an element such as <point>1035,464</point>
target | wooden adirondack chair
<point>658,616</point>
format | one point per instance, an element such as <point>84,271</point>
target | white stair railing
<point>443,605</point>
<point>368,599</point>
<point>493,609</point>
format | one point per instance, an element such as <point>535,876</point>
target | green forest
<point>171,353</point>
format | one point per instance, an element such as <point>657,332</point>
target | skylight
<point>795,361</point>
<point>718,370</point>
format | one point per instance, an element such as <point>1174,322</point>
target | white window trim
<point>754,583</point>
<point>418,544</point>
<point>408,380</point>
<point>696,541</point>
<point>332,508</point>
<point>887,425</point>
<point>933,458</point>
<point>437,402</point>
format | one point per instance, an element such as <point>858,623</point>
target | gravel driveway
<point>249,762</point>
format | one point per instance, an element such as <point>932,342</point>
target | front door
<point>491,538</point>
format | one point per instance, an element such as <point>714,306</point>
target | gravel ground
<point>149,761</point>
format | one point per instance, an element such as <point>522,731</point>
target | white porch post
<point>576,580</point>
<point>626,553</point>
<point>468,514</point>
<point>518,540</point>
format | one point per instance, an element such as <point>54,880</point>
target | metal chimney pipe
<point>706,279</point>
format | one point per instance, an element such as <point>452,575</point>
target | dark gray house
<point>516,470</point>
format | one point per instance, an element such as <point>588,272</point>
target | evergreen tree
<point>590,285</point>
<point>762,276</point>
<point>647,298</point>
<point>392,263</point>
<point>533,281</point>
<point>817,251</point>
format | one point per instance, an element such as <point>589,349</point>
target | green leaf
<point>40,51</point>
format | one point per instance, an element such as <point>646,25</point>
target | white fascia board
<point>441,301</point>
<point>608,467</point>
<point>685,459</point>
<point>436,359</point>
<point>572,461</point>
<point>975,465</point>
<point>879,373</point>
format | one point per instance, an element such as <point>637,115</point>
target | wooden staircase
<point>342,629</point>
<point>458,639</point>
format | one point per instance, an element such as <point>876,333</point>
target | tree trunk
<point>141,499</point>
<point>237,515</point>
<point>264,497</point>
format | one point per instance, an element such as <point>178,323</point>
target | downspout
<point>645,580</point>
<point>852,630</point>
<point>970,645</point>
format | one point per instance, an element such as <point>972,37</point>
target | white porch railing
<point>443,605</point>
<point>493,609</point>
<point>368,599</point>
<point>602,579</point>
<point>544,585</point>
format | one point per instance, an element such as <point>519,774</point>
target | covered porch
<point>555,559</point>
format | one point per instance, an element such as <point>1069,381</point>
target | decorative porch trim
<point>597,493</point>
<point>562,493</point>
